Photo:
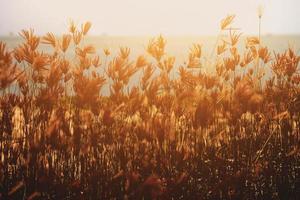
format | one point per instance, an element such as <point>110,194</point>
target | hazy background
<point>131,23</point>
<point>148,17</point>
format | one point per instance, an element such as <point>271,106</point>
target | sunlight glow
<point>142,17</point>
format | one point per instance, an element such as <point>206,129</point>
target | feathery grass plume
<point>235,55</point>
<point>156,47</point>
<point>229,64</point>
<point>220,68</point>
<point>64,66</point>
<point>221,48</point>
<point>106,52</point>
<point>167,64</point>
<point>72,27</point>
<point>227,21</point>
<point>18,54</point>
<point>84,51</point>
<point>49,38</point>
<point>161,42</point>
<point>26,53</point>
<point>77,36</point>
<point>186,77</point>
<point>141,62</point>
<point>196,50</point>
<point>54,76</point>
<point>32,40</point>
<point>285,64</point>
<point>40,62</point>
<point>96,61</point>
<point>124,52</point>
<point>5,55</point>
<point>89,49</point>
<point>210,81</point>
<point>8,71</point>
<point>193,62</point>
<point>247,59</point>
<point>234,37</point>
<point>252,41</point>
<point>85,62</point>
<point>194,57</point>
<point>66,39</point>
<point>264,54</point>
<point>260,11</point>
<point>88,89</point>
<point>296,79</point>
<point>148,71</point>
<point>86,27</point>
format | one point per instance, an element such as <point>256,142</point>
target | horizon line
<point>16,35</point>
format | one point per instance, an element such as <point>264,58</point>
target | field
<point>83,121</point>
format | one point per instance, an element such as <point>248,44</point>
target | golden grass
<point>196,135</point>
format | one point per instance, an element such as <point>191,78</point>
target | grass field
<point>80,120</point>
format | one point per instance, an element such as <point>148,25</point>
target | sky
<point>149,17</point>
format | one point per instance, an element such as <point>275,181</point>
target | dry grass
<point>229,134</point>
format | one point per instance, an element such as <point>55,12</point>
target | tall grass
<point>229,134</point>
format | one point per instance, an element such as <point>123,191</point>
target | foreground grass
<point>232,133</point>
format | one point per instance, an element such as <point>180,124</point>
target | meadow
<point>80,121</point>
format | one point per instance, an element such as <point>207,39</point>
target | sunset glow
<point>139,17</point>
